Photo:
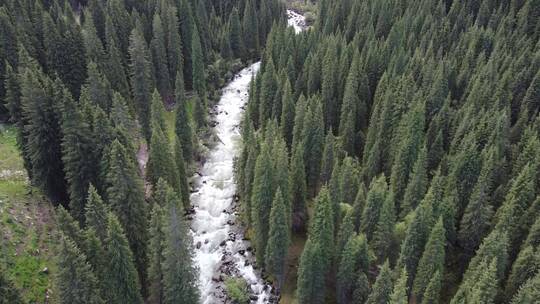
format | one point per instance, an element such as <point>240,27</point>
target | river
<point>220,248</point>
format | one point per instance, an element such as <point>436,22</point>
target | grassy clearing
<point>26,222</point>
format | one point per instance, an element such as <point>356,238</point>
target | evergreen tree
<point>328,158</point>
<point>141,81</point>
<point>278,239</point>
<point>287,114</point>
<point>297,191</point>
<point>183,187</point>
<point>362,288</point>
<point>250,28</point>
<point>322,228</point>
<point>382,289</point>
<point>75,280</point>
<point>299,117</point>
<point>183,129</point>
<point>408,150</point>
<point>313,137</point>
<point>235,35</point>
<point>97,87</point>
<point>375,200</point>
<point>125,194</point>
<point>122,279</point>
<point>159,58</point>
<point>78,154</point>
<point>349,108</point>
<point>161,162</point>
<point>526,265</point>
<point>187,24</point>
<point>155,250</point>
<point>431,295</point>
<point>399,295</point>
<point>350,263</point>
<point>96,213</point>
<point>115,71</point>
<point>261,199</point>
<point>92,43</point>
<point>528,293</point>
<point>179,274</point>
<point>417,186</point>
<point>432,260</point>
<point>415,240</point>
<point>311,275</point>
<point>43,133</point>
<point>383,234</point>
<point>199,82</point>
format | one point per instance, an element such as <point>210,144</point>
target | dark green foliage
<point>183,129</point>
<point>43,132</point>
<point>417,186</point>
<point>431,295</point>
<point>432,260</point>
<point>415,240</point>
<point>382,289</point>
<point>313,135</point>
<point>311,275</point>
<point>354,260</point>
<point>96,213</point>
<point>250,27</point>
<point>383,234</point>
<point>140,79</point>
<point>198,73</point>
<point>528,292</point>
<point>261,199</point>
<point>159,58</point>
<point>183,187</point>
<point>179,275</point>
<point>399,295</point>
<point>80,165</point>
<point>235,35</point>
<point>75,280</point>
<point>376,197</point>
<point>278,238</point>
<point>125,194</point>
<point>322,229</point>
<point>121,280</point>
<point>297,190</point>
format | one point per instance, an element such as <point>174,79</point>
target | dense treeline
<point>87,84</point>
<point>404,138</point>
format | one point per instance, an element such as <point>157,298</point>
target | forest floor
<point>27,225</point>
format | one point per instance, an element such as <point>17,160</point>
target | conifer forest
<point>269,151</point>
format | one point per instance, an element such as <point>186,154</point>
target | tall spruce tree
<point>80,165</point>
<point>311,275</point>
<point>432,260</point>
<point>141,79</point>
<point>125,194</point>
<point>399,295</point>
<point>278,238</point>
<point>96,213</point>
<point>197,63</point>
<point>313,141</point>
<point>121,279</point>
<point>179,274</point>
<point>75,280</point>
<point>383,287</point>
<point>183,130</point>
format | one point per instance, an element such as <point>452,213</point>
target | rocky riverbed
<point>221,250</point>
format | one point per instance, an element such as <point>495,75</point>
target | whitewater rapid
<point>220,248</point>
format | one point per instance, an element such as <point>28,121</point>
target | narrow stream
<point>220,248</point>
